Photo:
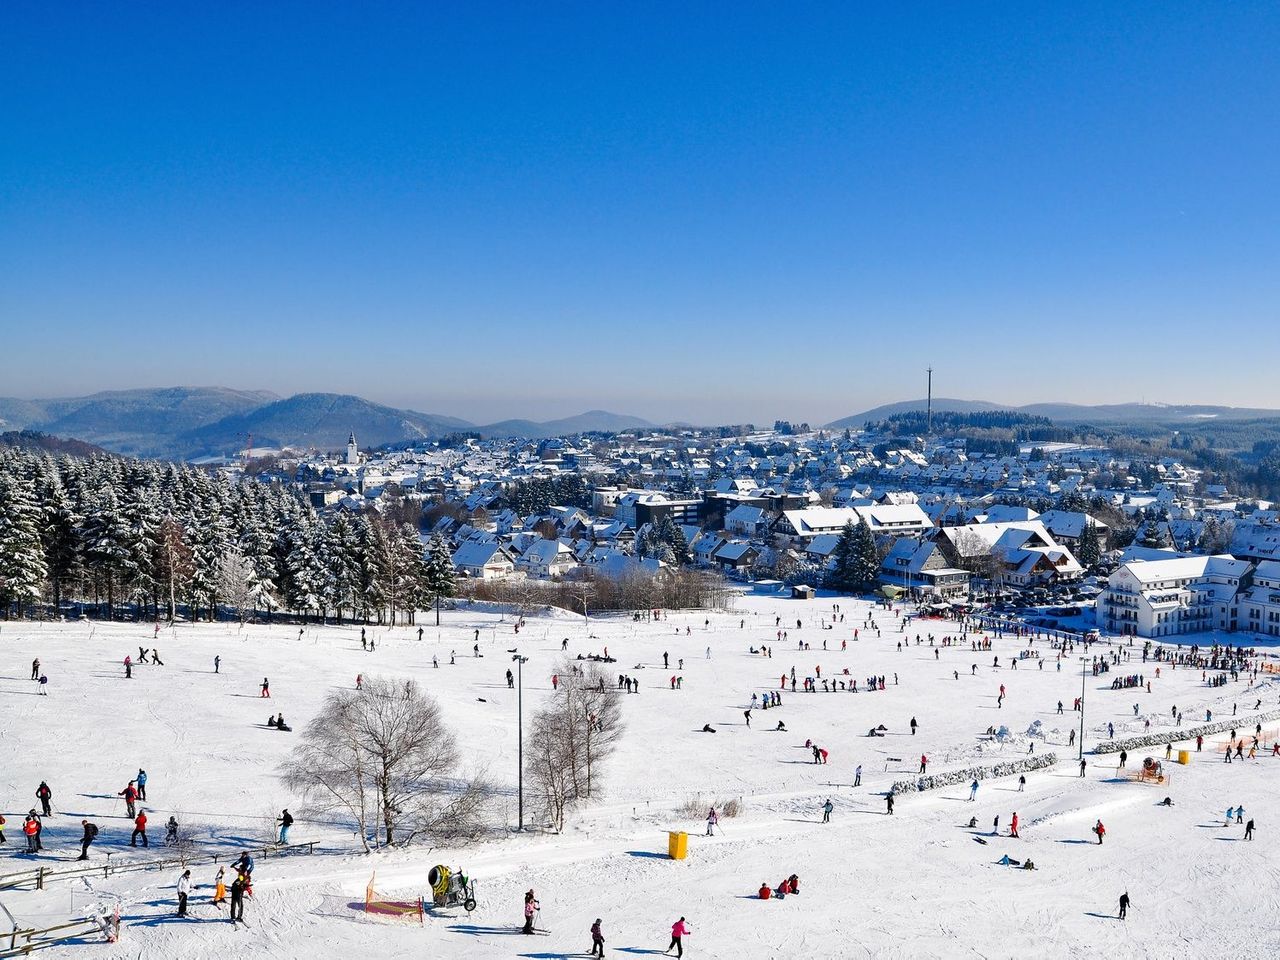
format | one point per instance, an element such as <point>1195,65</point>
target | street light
<point>1083,662</point>
<point>520,662</point>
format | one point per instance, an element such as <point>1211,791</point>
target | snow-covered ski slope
<point>912,885</point>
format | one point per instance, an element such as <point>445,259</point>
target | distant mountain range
<point>190,422</point>
<point>1115,413</point>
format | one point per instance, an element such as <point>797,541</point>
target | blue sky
<point>713,212</point>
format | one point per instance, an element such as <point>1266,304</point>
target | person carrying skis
<point>139,830</point>
<point>45,795</point>
<point>90,835</point>
<point>184,891</point>
<point>597,939</point>
<point>130,794</point>
<point>531,908</point>
<point>679,930</point>
<point>141,781</point>
<point>285,821</point>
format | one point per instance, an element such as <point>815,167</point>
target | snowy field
<point>915,884</point>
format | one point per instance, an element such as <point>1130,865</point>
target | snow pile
<point>992,772</point>
<point>1036,729</point>
<point>1188,733</point>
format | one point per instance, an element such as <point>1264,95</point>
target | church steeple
<point>353,450</point>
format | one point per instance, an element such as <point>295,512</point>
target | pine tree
<point>441,578</point>
<point>22,560</point>
<point>1089,549</point>
<point>866,568</point>
<point>842,570</point>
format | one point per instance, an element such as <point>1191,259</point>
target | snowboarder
<point>184,890</point>
<point>679,930</point>
<point>45,795</point>
<point>1124,904</point>
<point>597,939</point>
<point>826,811</point>
<point>285,821</point>
<point>90,835</point>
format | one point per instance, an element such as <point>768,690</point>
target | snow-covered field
<point>916,884</point>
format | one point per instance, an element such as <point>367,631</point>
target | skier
<point>237,899</point>
<point>531,907</point>
<point>1013,826</point>
<point>826,811</point>
<point>924,763</point>
<point>511,680</point>
<point>31,828</point>
<point>285,821</point>
<point>141,781</point>
<point>171,832</point>
<point>44,795</point>
<point>857,776</point>
<point>713,818</point>
<point>1124,904</point>
<point>35,669</point>
<point>973,791</point>
<point>128,668</point>
<point>184,890</point>
<point>217,663</point>
<point>90,835</point>
<point>1083,764</point>
<point>888,800</point>
<point>913,726</point>
<point>220,888</point>
<point>130,794</point>
<point>679,930</point>
<point>747,714</point>
<point>1100,830</point>
<point>266,689</point>
<point>597,939</point>
<point>1022,782</point>
<point>1124,755</point>
<point>1248,829</point>
<point>139,830</point>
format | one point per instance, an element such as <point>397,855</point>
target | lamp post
<point>1083,663</point>
<point>520,662</point>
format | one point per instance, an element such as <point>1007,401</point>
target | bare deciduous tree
<point>384,756</point>
<point>571,738</point>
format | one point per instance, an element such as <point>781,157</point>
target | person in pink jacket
<point>678,930</point>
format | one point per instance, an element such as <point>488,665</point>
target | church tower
<point>353,451</point>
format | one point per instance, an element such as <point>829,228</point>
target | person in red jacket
<point>139,830</point>
<point>130,794</point>
<point>765,892</point>
<point>1013,826</point>
<point>1100,830</point>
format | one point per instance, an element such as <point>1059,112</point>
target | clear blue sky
<point>720,212</point>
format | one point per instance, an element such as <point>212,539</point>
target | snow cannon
<point>451,888</point>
